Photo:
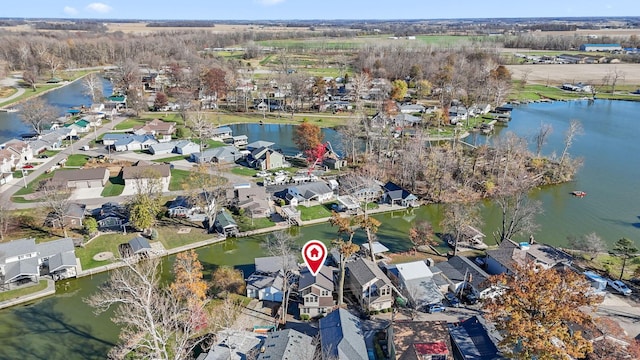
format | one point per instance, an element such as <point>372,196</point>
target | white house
<point>186,147</point>
<point>318,191</point>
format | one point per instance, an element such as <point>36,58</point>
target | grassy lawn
<point>172,158</point>
<point>244,171</point>
<point>107,242</point>
<point>314,212</point>
<point>12,294</point>
<point>114,187</point>
<point>31,187</point>
<point>169,237</point>
<point>246,224</point>
<point>221,118</point>
<point>128,124</point>
<point>210,144</point>
<point>610,264</point>
<point>30,93</point>
<point>77,160</point>
<point>178,177</point>
<point>50,153</point>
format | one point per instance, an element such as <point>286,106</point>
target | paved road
<point>7,191</point>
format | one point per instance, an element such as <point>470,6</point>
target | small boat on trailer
<point>578,193</point>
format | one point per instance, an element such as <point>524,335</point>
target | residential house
<point>111,216</point>
<point>134,142</point>
<point>57,258</point>
<point>225,224</point>
<point>341,336</point>
<point>24,261</point>
<point>6,177</point>
<point>316,292</point>
<point>420,340</point>
<point>18,262</point>
<point>143,176</point>
<point>415,280</point>
<point>287,344</point>
<point>395,195</point>
<point>406,120</point>
<point>266,159</point>
<point>412,108</point>
<point>370,286</point>
<point>161,130</point>
<point>220,155</point>
<point>458,113</point>
<point>313,191</point>
<point>240,141</point>
<point>22,149</point>
<point>379,250</point>
<point>184,206</point>
<point>254,200</point>
<point>163,148</point>
<point>186,147</point>
<point>463,275</point>
<point>51,139</point>
<point>221,133</point>
<point>235,345</point>
<point>81,178</point>
<point>501,260</point>
<point>260,144</point>
<point>471,340</point>
<point>267,281</point>
<point>380,121</point>
<point>7,161</point>
<point>138,246</point>
<point>80,126</point>
<point>73,216</point>
<point>348,203</point>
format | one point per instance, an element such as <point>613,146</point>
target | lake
<point>63,327</point>
<point>62,98</point>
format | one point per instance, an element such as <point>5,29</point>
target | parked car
<point>620,287</point>
<point>262,174</point>
<point>452,299</point>
<point>435,308</point>
<point>28,166</point>
<point>43,156</point>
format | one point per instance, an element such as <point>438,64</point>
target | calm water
<point>63,327</point>
<point>71,95</point>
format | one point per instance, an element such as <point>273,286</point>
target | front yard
<point>113,187</point>
<point>106,242</point>
<point>27,290</point>
<point>178,178</point>
<point>77,160</point>
<point>314,212</point>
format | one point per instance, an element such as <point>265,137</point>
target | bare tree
<point>154,324</point>
<point>30,76</point>
<point>282,245</point>
<point>541,136</point>
<point>591,244</point>
<point>458,217</point>
<point>56,200</point>
<point>93,87</point>
<point>227,325</point>
<point>575,129</point>
<point>205,190</point>
<point>37,113</point>
<point>200,125</point>
<point>615,75</point>
<point>518,214</point>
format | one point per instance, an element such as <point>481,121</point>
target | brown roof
<point>80,174</point>
<point>135,172</point>
<point>157,126</point>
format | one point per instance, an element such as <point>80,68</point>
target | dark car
<point>435,308</point>
<point>453,300</point>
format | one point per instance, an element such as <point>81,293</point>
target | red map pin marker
<point>314,253</point>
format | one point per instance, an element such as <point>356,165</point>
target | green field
<point>31,187</point>
<point>245,223</point>
<point>178,178</point>
<point>113,187</point>
<point>129,124</point>
<point>169,237</point>
<point>314,212</point>
<point>77,160</point>
<point>12,294</point>
<point>244,171</point>
<point>172,158</point>
<point>107,242</point>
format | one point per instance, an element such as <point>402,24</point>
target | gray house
<point>222,155</point>
<point>396,195</point>
<point>370,286</point>
<point>81,178</point>
<point>111,216</point>
<point>225,224</point>
<point>186,147</point>
<point>266,159</point>
<point>341,336</point>
<point>287,344</point>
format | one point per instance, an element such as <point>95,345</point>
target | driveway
<point>623,310</point>
<point>86,193</point>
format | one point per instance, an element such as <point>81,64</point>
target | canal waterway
<point>63,327</point>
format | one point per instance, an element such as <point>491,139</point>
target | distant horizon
<point>303,10</point>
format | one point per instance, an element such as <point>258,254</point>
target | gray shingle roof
<point>61,261</point>
<point>324,279</point>
<point>17,247</point>
<point>456,267</point>
<point>142,171</point>
<point>24,267</point>
<point>80,174</point>
<point>50,248</point>
<point>364,271</point>
<point>273,264</point>
<point>312,189</point>
<point>341,336</point>
<point>139,244</point>
<point>287,345</point>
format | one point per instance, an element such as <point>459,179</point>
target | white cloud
<point>269,2</point>
<point>99,7</point>
<point>70,10</point>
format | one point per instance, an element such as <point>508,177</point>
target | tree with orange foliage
<point>421,234</point>
<point>307,136</point>
<point>188,283</point>
<point>536,310</point>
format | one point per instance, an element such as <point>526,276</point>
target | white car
<point>620,287</point>
<point>262,174</point>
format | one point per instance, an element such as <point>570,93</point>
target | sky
<point>310,9</point>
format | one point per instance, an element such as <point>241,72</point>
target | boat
<point>578,193</point>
